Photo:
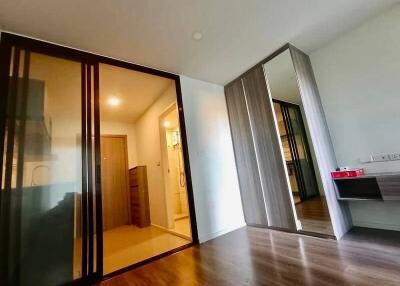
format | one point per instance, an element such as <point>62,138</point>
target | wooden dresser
<point>139,196</point>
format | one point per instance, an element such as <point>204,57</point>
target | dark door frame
<point>90,71</point>
<point>293,147</point>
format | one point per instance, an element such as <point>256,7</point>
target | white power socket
<point>394,157</point>
<point>380,158</point>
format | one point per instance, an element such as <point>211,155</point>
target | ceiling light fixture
<point>197,36</point>
<point>167,124</point>
<point>113,101</point>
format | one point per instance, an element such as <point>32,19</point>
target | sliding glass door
<point>51,229</point>
<point>295,138</point>
<point>48,166</point>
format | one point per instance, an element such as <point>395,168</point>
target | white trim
<point>172,232</point>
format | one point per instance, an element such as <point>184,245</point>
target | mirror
<point>297,149</point>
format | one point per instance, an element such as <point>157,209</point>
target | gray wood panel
<point>321,140</point>
<point>274,182</point>
<point>246,162</point>
<point>389,186</point>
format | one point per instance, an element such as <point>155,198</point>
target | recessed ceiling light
<point>114,101</point>
<point>197,36</point>
<point>167,124</point>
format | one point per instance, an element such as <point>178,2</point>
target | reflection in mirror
<point>302,170</point>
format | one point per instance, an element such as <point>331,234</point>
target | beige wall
<point>122,128</point>
<point>149,153</point>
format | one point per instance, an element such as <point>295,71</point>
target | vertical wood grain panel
<point>139,196</point>
<point>274,182</point>
<point>114,181</point>
<point>320,137</point>
<point>246,162</point>
<point>389,186</point>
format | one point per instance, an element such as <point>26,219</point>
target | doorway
<point>137,197</point>
<point>54,213</point>
<point>174,173</point>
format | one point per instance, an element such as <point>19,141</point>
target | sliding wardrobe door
<point>326,159</point>
<point>270,161</point>
<point>249,178</point>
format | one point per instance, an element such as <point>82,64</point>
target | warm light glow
<point>113,101</point>
<point>167,124</point>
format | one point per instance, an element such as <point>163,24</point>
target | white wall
<point>358,76</point>
<point>148,149</point>
<point>122,128</point>
<point>215,182</point>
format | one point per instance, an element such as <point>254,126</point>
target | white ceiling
<point>158,33</point>
<point>136,91</point>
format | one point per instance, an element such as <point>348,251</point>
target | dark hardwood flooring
<point>314,216</point>
<point>254,256</point>
<point>314,208</point>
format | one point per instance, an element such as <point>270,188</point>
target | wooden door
<point>114,181</point>
<point>246,161</point>
<point>275,187</point>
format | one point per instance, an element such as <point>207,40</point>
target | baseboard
<point>205,237</point>
<point>172,232</point>
<point>376,225</point>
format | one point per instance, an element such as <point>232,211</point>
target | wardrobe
<point>264,187</point>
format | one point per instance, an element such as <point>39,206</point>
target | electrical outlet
<point>380,158</point>
<point>394,157</point>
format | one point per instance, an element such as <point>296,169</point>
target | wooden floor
<point>251,256</point>
<point>314,216</point>
<point>127,245</point>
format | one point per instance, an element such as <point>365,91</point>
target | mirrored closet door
<point>299,157</point>
<point>283,149</point>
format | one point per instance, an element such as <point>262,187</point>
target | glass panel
<point>144,196</point>
<point>41,218</point>
<point>303,176</point>
<point>287,152</point>
<point>303,151</point>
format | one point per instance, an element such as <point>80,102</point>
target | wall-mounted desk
<point>379,186</point>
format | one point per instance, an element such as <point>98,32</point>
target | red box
<point>346,174</point>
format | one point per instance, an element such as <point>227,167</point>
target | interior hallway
<point>254,256</point>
